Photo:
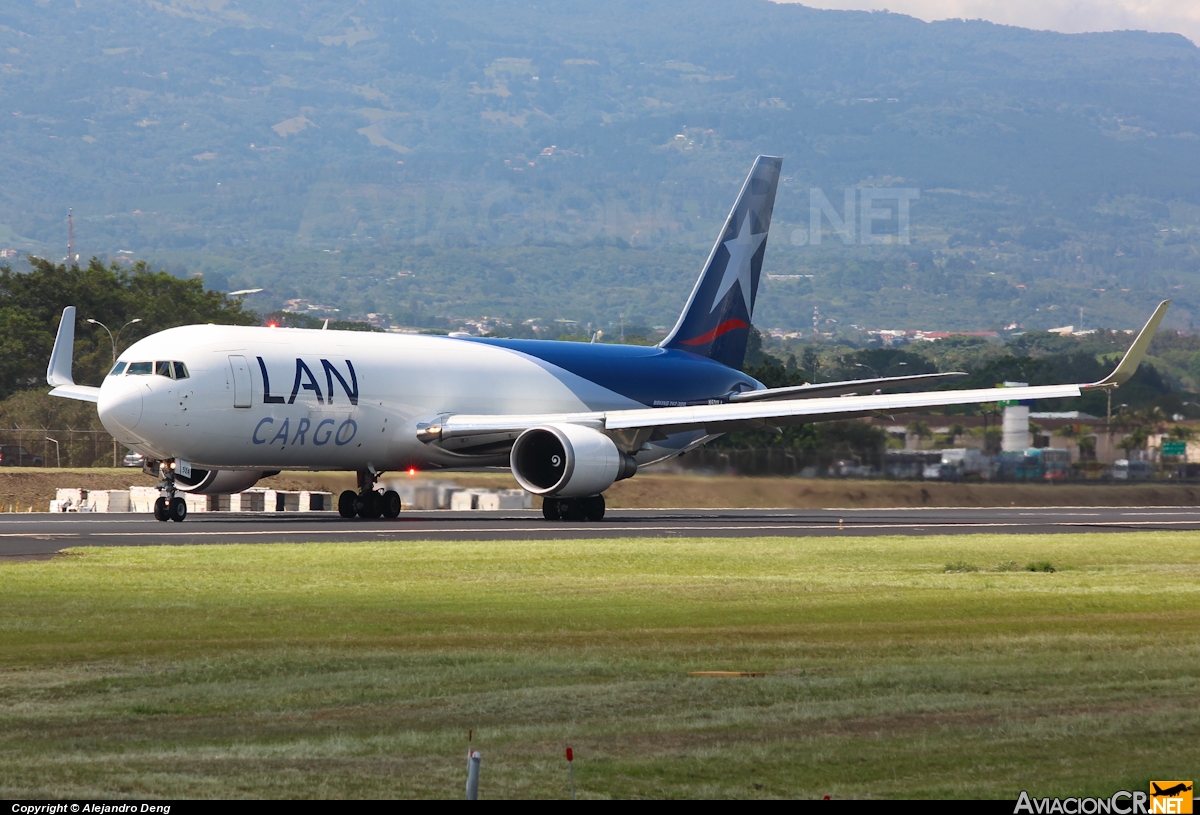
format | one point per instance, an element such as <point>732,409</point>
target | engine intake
<point>218,482</point>
<point>568,460</point>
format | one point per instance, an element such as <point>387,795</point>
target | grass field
<point>357,669</point>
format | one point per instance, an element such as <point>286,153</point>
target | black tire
<point>369,504</point>
<point>346,504</point>
<point>161,512</point>
<point>594,507</point>
<point>550,509</point>
<point>390,505</point>
<point>177,509</point>
<point>573,509</point>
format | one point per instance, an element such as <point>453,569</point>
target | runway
<point>42,534</point>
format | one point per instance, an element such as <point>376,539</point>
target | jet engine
<point>568,460</point>
<point>218,482</point>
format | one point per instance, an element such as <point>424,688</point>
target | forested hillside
<point>434,162</point>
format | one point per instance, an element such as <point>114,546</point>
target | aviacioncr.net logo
<point>1164,798</point>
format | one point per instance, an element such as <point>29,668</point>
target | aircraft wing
<point>81,393</point>
<point>468,430</point>
<point>849,386</point>
<point>58,372</point>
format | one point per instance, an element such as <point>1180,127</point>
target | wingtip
<point>1137,351</point>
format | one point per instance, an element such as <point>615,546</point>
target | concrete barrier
<point>141,499</point>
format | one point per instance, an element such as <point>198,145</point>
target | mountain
<point>574,160</point>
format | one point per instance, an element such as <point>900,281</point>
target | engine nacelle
<point>568,460</point>
<point>218,482</point>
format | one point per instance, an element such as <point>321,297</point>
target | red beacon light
<point>412,470</point>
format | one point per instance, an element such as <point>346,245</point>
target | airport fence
<point>779,461</point>
<point>64,447</point>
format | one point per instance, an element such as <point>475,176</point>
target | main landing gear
<point>368,502</point>
<point>169,506</point>
<point>573,509</point>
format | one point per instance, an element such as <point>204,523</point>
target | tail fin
<point>716,320</point>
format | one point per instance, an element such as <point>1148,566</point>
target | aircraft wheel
<point>346,506</point>
<point>593,507</point>
<point>390,504</point>
<point>369,504</point>
<point>177,509</point>
<point>574,509</point>
<point>161,511</point>
<point>550,509</point>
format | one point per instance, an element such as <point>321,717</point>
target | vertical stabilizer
<point>58,372</point>
<point>716,320</point>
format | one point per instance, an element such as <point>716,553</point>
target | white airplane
<point>215,408</point>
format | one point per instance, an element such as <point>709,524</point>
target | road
<point>42,534</point>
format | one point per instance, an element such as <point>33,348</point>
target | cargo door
<point>241,381</point>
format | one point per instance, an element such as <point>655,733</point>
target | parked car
<point>1187,471</point>
<point>941,472</point>
<point>133,460</point>
<point>1132,470</point>
<point>14,455</point>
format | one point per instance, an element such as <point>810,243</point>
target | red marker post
<point>571,770</point>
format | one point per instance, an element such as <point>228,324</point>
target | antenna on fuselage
<point>326,324</point>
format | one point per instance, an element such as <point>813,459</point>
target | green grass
<point>357,669</point>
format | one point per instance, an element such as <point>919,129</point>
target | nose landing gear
<point>169,506</point>
<point>368,502</point>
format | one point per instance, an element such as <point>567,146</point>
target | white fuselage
<point>329,399</point>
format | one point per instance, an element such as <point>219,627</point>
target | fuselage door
<point>241,381</point>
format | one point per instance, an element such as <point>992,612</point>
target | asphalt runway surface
<point>38,535</point>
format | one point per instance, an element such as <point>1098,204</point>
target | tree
<point>1087,447</point>
<point>810,362</point>
<point>919,430</point>
<point>1181,432</point>
<point>31,305</point>
<point>1136,440</point>
<point>953,433</point>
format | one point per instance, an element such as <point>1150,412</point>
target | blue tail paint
<point>716,320</point>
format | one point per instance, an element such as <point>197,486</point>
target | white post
<point>473,776</point>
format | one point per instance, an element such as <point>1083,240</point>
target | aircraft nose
<point>121,407</point>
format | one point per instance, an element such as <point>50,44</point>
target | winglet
<point>1133,357</point>
<point>58,372</point>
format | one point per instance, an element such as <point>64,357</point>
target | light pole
<point>869,368</point>
<point>57,453</point>
<point>113,340</point>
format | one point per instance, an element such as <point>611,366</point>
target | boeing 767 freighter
<point>215,408</point>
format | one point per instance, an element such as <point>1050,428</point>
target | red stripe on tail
<point>723,328</point>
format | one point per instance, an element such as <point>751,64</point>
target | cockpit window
<point>117,369</point>
<point>167,368</point>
